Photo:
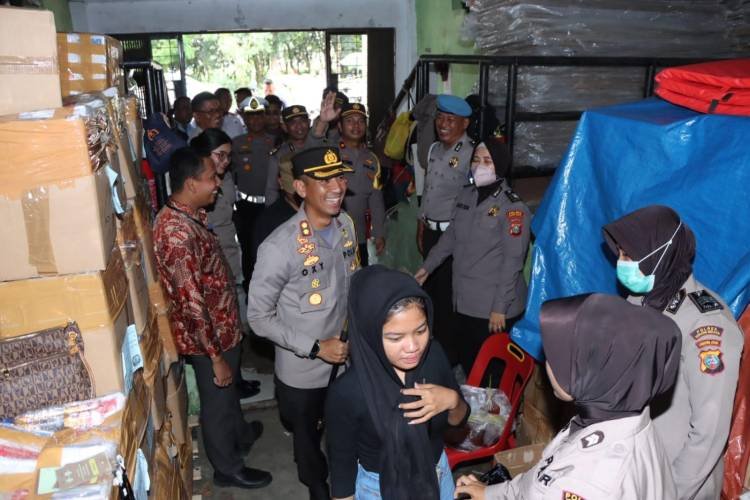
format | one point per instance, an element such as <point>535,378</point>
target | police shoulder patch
<point>704,301</point>
<point>512,196</point>
<point>274,151</point>
<point>569,495</point>
<point>676,302</point>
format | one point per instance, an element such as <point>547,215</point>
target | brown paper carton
<point>29,71</point>
<point>521,459</point>
<point>96,301</point>
<point>143,224</point>
<point>135,421</point>
<point>89,63</point>
<point>177,403</point>
<point>135,126</point>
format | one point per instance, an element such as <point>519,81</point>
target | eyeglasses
<point>220,155</point>
<point>216,111</point>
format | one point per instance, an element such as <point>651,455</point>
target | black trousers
<point>302,410</point>
<point>363,255</point>
<point>439,286</point>
<point>470,333</point>
<point>245,216</point>
<point>222,424</point>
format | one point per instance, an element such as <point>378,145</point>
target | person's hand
<point>471,486</point>
<point>433,399</point>
<point>420,237</point>
<point>327,111</point>
<point>333,350</point>
<point>380,245</point>
<point>497,322</point>
<point>222,371</point>
<point>421,275</point>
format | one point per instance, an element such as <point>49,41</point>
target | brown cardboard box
<point>56,200</point>
<point>143,224</point>
<point>138,306</point>
<point>29,72</point>
<point>96,301</point>
<point>520,460</point>
<point>161,306</point>
<point>534,427</point>
<point>177,403</point>
<point>135,127</point>
<point>135,421</point>
<point>89,63</point>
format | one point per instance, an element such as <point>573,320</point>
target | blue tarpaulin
<point>628,156</point>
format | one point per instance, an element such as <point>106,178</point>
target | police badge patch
<point>711,362</point>
<point>569,495</point>
<point>515,222</point>
<point>453,162</point>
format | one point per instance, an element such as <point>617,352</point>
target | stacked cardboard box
<point>541,415</point>
<point>77,246</point>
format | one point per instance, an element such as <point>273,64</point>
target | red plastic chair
<point>518,369</point>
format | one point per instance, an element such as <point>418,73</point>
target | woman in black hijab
<point>488,239</point>
<point>655,250</point>
<point>610,358</point>
<point>386,415</point>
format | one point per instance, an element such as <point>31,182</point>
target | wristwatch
<point>315,350</point>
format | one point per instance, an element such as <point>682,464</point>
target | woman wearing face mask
<point>609,450</point>
<point>655,251</point>
<point>488,238</point>
<point>385,416</point>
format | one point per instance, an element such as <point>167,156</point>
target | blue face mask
<point>629,273</point>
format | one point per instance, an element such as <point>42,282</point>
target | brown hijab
<point>639,233</point>
<point>613,357</point>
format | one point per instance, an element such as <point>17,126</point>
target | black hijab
<point>611,356</point>
<point>407,468</point>
<point>640,233</point>
<point>501,159</point>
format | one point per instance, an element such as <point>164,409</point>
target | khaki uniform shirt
<point>298,294</point>
<point>618,459</point>
<point>278,155</point>
<point>488,242</point>
<point>364,190</point>
<point>447,172</point>
<point>250,163</point>
<point>693,419</point>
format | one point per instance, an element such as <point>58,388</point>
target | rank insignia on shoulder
<point>569,495</point>
<point>515,222</point>
<point>711,362</point>
<point>274,151</point>
<point>704,301</point>
<point>458,147</point>
<point>708,330</point>
<point>304,228</point>
<point>591,440</point>
<point>462,206</point>
<point>492,212</point>
<point>453,162</point>
<point>512,196</point>
<point>676,302</point>
<point>311,260</point>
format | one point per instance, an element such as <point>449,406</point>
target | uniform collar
<point>462,143</point>
<point>304,228</point>
<point>595,436</point>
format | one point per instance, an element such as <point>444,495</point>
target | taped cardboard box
<point>177,403</point>
<point>134,126</point>
<point>135,421</point>
<point>18,464</point>
<point>29,72</point>
<point>522,459</point>
<point>96,301</point>
<point>143,225</point>
<point>89,63</point>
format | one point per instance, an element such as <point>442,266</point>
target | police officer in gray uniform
<point>296,125</point>
<point>655,251</point>
<point>364,192</point>
<point>488,239</point>
<point>250,153</point>
<point>447,172</point>
<point>298,300</point>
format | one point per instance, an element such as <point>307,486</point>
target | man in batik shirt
<point>205,315</point>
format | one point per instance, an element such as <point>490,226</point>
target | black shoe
<point>246,478</point>
<point>248,389</point>
<point>256,431</point>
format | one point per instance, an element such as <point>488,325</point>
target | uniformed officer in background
<point>296,125</point>
<point>250,153</point>
<point>448,165</point>
<point>324,126</point>
<point>364,187</point>
<point>655,250</point>
<point>298,300</point>
<point>488,239</point>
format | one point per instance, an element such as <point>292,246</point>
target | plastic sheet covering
<point>541,144</point>
<point>623,158</point>
<point>607,28</point>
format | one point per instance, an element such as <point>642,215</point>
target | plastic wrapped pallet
<point>58,192</point>
<point>28,61</point>
<point>89,63</point>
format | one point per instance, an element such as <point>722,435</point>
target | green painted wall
<point>61,10</point>
<point>438,29</point>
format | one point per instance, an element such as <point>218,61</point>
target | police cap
<point>319,163</point>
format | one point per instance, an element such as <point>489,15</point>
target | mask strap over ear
<point>667,245</point>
